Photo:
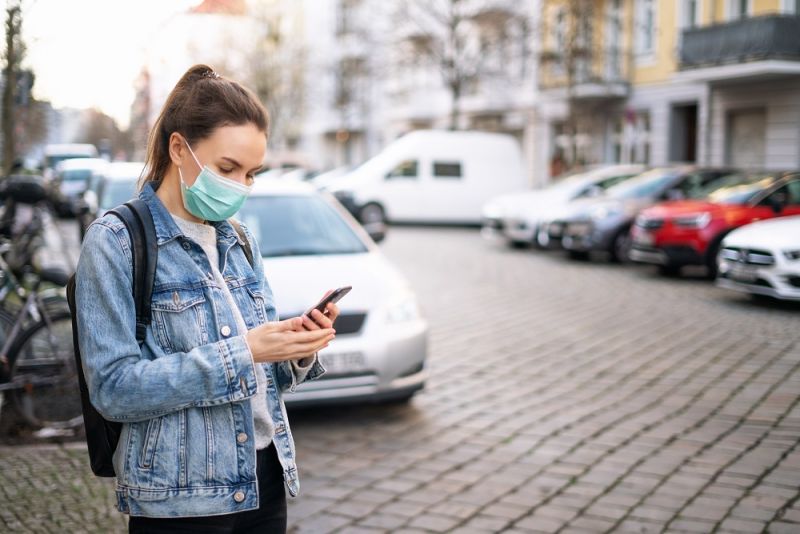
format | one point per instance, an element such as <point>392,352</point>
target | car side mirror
<point>776,205</point>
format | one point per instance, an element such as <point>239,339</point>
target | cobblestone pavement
<point>563,397</point>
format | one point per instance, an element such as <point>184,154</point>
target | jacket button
<point>226,330</point>
<point>238,496</point>
<point>186,245</point>
<point>241,437</point>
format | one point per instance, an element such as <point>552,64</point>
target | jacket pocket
<point>149,443</point>
<point>179,319</point>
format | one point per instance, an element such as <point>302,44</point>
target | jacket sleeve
<point>289,374</point>
<point>130,383</point>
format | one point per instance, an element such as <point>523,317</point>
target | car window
<point>446,169</point>
<point>693,184</point>
<point>643,186</point>
<point>786,195</point>
<point>737,188</point>
<point>116,192</point>
<point>298,225</point>
<point>405,169</point>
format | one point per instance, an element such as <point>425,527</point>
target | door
<point>401,190</point>
<point>782,202</point>
<point>747,133</point>
<point>446,194</point>
<point>683,134</point>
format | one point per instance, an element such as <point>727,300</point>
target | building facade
<point>713,82</point>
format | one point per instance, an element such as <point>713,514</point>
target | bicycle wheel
<point>43,363</point>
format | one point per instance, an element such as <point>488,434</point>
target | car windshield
<point>76,175</point>
<point>737,188</point>
<point>645,185</point>
<point>298,225</point>
<point>116,192</point>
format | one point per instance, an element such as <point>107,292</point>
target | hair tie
<point>211,74</point>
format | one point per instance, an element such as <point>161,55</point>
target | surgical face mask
<point>212,197</point>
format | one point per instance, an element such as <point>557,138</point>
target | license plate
<point>743,273</point>
<point>338,363</point>
<point>641,237</point>
<point>578,229</point>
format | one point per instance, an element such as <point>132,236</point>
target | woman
<point>205,445</point>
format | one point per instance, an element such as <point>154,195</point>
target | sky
<point>88,53</point>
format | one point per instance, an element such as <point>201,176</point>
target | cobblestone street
<point>563,397</point>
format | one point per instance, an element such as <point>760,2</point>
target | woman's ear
<point>177,148</point>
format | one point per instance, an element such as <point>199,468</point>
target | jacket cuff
<point>240,369</point>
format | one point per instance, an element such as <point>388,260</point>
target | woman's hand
<point>319,320</point>
<point>286,340</point>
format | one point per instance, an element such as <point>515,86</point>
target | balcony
<point>750,48</point>
<point>596,76</point>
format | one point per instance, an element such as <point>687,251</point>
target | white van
<point>56,153</point>
<point>433,176</point>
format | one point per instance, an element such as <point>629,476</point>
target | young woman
<point>205,443</point>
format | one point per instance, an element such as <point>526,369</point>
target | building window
<point>645,27</point>
<point>632,138</point>
<point>446,170</point>
<point>739,9</point>
<point>790,7</point>
<point>690,13</point>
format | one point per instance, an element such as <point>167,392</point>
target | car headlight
<point>603,212</point>
<point>792,255</point>
<point>402,310</point>
<point>695,220</point>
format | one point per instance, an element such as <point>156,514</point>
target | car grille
<point>748,256</point>
<point>556,229</point>
<point>346,323</point>
<point>578,229</point>
<point>494,223</point>
<point>650,224</point>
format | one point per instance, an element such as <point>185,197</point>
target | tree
<point>101,130</point>
<point>275,72</point>
<point>13,54</point>
<point>460,38</point>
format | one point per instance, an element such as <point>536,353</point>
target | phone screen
<point>334,296</point>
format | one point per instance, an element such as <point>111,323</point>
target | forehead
<point>244,142</point>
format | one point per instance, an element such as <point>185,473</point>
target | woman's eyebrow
<point>236,163</point>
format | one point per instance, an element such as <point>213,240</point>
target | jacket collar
<point>166,228</point>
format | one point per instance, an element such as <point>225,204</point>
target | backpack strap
<point>248,250</point>
<point>139,222</point>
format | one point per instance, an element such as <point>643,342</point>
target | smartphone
<point>334,296</point>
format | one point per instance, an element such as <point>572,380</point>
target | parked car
<point>517,218</point>
<point>56,153</point>
<point>763,258</point>
<point>604,224</point>
<point>71,178</point>
<point>327,178</point>
<point>432,176</point>
<point>310,244</point>
<point>689,232</point>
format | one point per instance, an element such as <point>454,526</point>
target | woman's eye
<point>226,171</point>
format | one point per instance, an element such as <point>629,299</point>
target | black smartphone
<point>334,296</point>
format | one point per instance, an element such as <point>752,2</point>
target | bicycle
<point>37,362</point>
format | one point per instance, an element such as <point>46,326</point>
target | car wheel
<point>372,214</point>
<point>621,246</point>
<point>712,257</point>
<point>578,255</point>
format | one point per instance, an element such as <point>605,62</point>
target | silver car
<point>310,244</point>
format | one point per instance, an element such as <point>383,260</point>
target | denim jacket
<point>187,445</point>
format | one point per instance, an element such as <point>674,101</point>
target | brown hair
<point>200,102</point>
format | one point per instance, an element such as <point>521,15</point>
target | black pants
<point>269,518</point>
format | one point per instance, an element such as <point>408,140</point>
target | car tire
<point>372,213</point>
<point>621,246</point>
<point>711,257</point>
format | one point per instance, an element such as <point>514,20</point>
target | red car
<point>689,232</point>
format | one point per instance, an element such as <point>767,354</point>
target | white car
<point>763,258</point>
<point>517,218</point>
<point>310,244</point>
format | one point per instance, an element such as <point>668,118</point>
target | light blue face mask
<point>212,197</point>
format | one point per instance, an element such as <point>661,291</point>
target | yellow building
<point>715,82</point>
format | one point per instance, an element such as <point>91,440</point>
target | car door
<point>401,191</point>
<point>783,201</point>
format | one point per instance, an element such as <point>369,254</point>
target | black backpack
<point>102,435</point>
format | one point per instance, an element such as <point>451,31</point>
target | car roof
<point>82,163</point>
<point>124,170</point>
<point>266,186</point>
